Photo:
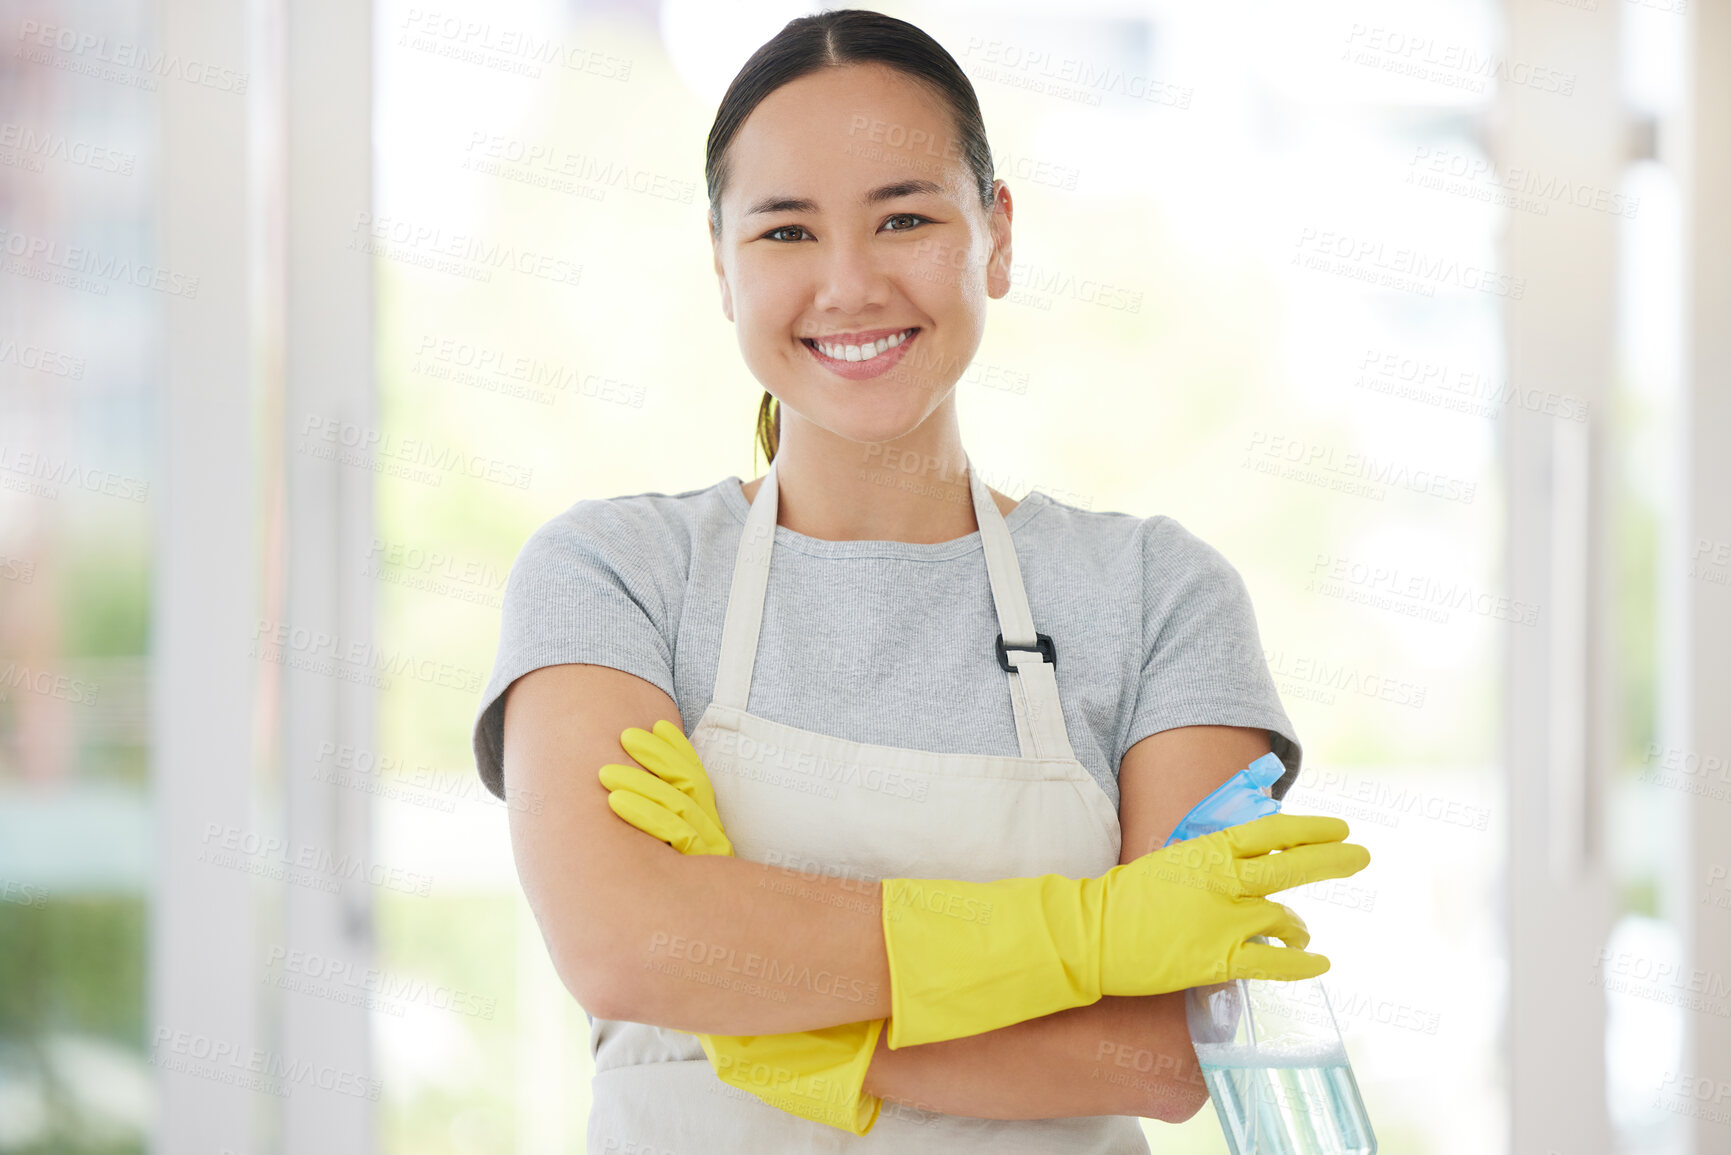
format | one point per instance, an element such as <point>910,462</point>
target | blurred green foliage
<point>460,943</point>
<point>74,965</point>
<point>105,601</point>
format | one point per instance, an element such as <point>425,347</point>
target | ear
<point>998,265</point>
<point>720,271</point>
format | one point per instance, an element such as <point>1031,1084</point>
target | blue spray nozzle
<point>1243,797</point>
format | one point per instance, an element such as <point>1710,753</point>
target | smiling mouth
<point>840,352</point>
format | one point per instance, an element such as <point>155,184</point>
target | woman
<point>883,706</point>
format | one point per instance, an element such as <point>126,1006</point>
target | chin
<point>869,428</point>
<point>873,433</point>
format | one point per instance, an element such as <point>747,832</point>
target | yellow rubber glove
<point>817,1075</point>
<point>969,957</point>
<point>668,794</point>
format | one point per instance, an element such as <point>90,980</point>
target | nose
<point>851,278</point>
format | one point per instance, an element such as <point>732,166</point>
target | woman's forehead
<point>844,134</point>
<point>867,86</point>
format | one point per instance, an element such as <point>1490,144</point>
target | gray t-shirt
<point>892,642</point>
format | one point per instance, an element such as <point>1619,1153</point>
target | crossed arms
<point>632,925</point>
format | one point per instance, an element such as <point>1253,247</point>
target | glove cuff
<point>816,1075</point>
<point>971,957</point>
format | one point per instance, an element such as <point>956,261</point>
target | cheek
<point>945,266</point>
<point>764,309</point>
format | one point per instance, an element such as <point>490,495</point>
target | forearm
<point>725,946</point>
<point>640,932</point>
<point>1118,1056</point>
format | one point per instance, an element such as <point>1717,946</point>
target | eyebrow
<point>888,192</point>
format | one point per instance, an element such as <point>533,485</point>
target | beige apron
<point>825,806</point>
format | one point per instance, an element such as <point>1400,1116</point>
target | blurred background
<point>310,313</point>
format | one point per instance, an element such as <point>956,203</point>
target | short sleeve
<point>1202,657</point>
<point>590,586</point>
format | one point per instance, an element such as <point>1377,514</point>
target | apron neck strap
<point>1032,683</point>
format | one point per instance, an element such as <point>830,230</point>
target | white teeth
<point>863,352</point>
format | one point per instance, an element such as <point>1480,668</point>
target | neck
<point>914,489</point>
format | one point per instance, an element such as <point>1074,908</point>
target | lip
<point>864,370</point>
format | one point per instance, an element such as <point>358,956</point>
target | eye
<point>908,217</point>
<point>770,235</point>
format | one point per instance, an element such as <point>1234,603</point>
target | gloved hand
<point>668,794</point>
<point>969,957</point>
<point>817,1075</point>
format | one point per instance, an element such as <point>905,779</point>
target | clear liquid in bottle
<point>1294,1103</point>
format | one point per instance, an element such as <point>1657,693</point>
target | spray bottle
<point>1270,1050</point>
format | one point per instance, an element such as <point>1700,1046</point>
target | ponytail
<point>768,425</point>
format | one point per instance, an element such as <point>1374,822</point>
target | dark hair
<point>833,39</point>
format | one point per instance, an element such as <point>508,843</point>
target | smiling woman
<point>880,868</point>
<point>857,235</point>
